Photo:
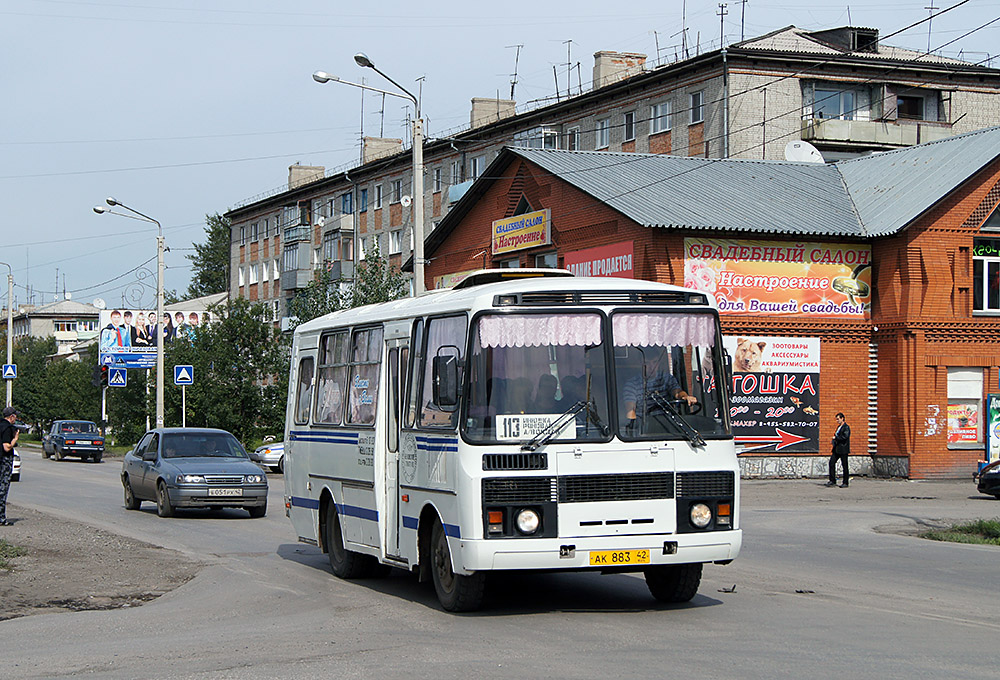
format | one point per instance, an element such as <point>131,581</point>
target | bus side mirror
<point>445,385</point>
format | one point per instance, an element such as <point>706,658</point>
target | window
<point>538,138</point>
<point>303,390</point>
<point>911,108</point>
<point>395,242</point>
<point>347,203</point>
<point>456,173</point>
<point>573,139</point>
<point>87,325</point>
<point>659,117</point>
<point>267,228</point>
<point>363,200</point>
<point>965,412</point>
<point>330,243</point>
<point>242,277</point>
<point>364,247</point>
<point>445,337</point>
<point>831,104</point>
<point>629,126</point>
<point>547,261</point>
<point>277,269</point>
<point>305,213</point>
<point>986,275</point>
<point>514,263</point>
<point>362,389</point>
<point>603,133</point>
<point>265,271</point>
<point>65,326</point>
<point>254,231</point>
<point>478,165</point>
<point>347,248</point>
<point>243,234</point>
<point>437,180</point>
<point>331,379</point>
<point>289,216</point>
<point>397,190</point>
<point>291,259</point>
<point>275,309</point>
<point>412,386</point>
<point>378,196</point>
<point>697,106</point>
<point>253,274</point>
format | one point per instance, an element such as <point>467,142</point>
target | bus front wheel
<point>674,582</point>
<point>456,592</point>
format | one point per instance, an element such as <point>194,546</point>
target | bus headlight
<point>528,521</point>
<point>701,515</point>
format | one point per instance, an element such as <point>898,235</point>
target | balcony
<point>872,134</point>
<point>297,233</point>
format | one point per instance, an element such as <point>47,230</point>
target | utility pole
<point>513,77</point>
<point>722,23</point>
<point>930,11</point>
<point>743,16</point>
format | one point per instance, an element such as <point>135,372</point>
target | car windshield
<point>527,370</point>
<point>201,445</point>
<point>79,428</point>
<point>661,359</point>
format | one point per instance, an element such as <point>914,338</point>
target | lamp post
<point>418,161</point>
<point>10,329</point>
<point>159,294</point>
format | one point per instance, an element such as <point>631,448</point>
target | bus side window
<point>413,373</point>
<point>393,385</point>
<point>303,393</point>
<point>330,379</point>
<point>362,391</point>
<point>445,336</point>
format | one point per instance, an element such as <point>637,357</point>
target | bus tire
<point>344,563</point>
<point>673,582</point>
<point>456,592</point>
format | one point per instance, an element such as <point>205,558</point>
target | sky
<point>185,108</point>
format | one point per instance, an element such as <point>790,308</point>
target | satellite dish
<point>99,303</point>
<point>803,152</point>
<point>321,221</point>
<point>68,295</point>
<point>406,201</point>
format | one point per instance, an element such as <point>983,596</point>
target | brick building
<point>882,270</point>
<point>840,89</point>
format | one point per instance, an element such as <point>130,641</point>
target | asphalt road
<point>819,594</point>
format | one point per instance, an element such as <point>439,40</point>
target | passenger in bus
<point>545,395</point>
<point>331,402</point>
<point>657,379</point>
<point>518,396</point>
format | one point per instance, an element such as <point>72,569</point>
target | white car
<point>272,455</point>
<point>15,473</point>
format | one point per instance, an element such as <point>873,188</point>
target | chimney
<point>303,174</point>
<point>486,111</point>
<point>610,67</point>
<point>379,147</point>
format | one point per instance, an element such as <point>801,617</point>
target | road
<point>819,594</point>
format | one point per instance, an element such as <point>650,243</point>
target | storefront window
<point>986,275</point>
<point>965,408</point>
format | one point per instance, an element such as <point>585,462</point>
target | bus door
<point>398,353</point>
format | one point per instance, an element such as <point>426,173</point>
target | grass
<point>980,531</point>
<point>9,551</point>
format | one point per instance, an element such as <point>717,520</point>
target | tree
<point>376,280</point>
<point>210,263</point>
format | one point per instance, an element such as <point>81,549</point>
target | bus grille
<point>519,490</point>
<point>622,487</point>
<point>515,461</point>
<point>691,484</point>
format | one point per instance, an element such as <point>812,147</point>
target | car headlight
<point>254,479</point>
<point>701,515</point>
<point>528,521</point>
<point>190,479</point>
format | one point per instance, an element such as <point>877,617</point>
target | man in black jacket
<point>8,440</point>
<point>841,449</point>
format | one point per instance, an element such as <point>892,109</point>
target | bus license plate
<point>613,558</point>
<point>225,492</point>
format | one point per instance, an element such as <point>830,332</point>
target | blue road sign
<point>9,371</point>
<point>184,375</point>
<point>117,377</point>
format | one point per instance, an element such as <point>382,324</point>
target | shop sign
<point>451,280</point>
<point>614,260</point>
<point>775,393</point>
<point>993,428</point>
<point>963,423</point>
<point>522,231</point>
<point>780,278</point>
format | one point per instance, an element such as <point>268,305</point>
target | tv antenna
<point>513,77</point>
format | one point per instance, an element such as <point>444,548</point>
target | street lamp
<point>159,293</point>
<point>363,61</point>
<point>10,330</point>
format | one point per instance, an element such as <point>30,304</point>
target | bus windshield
<point>667,373</point>
<point>534,375</point>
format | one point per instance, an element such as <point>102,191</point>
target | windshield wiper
<point>553,428</point>
<point>668,410</point>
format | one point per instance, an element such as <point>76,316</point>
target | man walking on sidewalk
<point>841,449</point>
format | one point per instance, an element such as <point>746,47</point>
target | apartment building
<point>73,324</point>
<point>840,90</point>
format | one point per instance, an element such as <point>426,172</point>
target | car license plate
<point>225,492</point>
<point>614,558</point>
<point>82,442</point>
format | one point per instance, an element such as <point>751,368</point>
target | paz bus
<point>522,420</point>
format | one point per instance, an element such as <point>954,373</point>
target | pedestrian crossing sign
<point>117,377</point>
<point>9,371</point>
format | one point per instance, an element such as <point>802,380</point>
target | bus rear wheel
<point>673,582</point>
<point>345,563</point>
<point>456,592</point>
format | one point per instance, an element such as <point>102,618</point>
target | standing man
<point>841,449</point>
<point>8,440</point>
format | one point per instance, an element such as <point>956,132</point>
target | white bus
<point>525,419</point>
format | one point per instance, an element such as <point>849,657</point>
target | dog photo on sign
<point>749,356</point>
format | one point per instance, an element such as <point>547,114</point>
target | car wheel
<point>131,502</point>
<point>45,452</point>
<point>673,582</point>
<point>16,478</point>
<point>96,458</point>
<point>258,511</point>
<point>456,592</point>
<point>84,458</point>
<point>281,465</point>
<point>58,453</point>
<point>344,563</point>
<point>163,506</point>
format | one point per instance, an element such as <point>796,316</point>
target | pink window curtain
<point>665,330</point>
<point>539,330</point>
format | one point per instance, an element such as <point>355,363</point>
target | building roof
<point>198,304</point>
<point>868,197</point>
<point>59,308</point>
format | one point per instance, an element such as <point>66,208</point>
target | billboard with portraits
<point>128,337</point>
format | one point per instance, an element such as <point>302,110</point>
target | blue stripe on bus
<point>332,437</point>
<point>357,511</point>
<point>452,530</point>
<point>299,501</point>
<point>449,444</point>
<point>409,522</point>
